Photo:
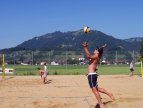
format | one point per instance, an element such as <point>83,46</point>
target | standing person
<point>42,74</point>
<point>46,72</point>
<point>131,69</point>
<point>92,73</point>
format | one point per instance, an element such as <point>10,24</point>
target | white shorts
<point>45,74</point>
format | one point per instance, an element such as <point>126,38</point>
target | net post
<point>3,67</point>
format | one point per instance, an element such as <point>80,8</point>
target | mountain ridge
<point>72,40</point>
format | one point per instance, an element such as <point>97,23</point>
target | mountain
<point>134,40</point>
<point>73,40</point>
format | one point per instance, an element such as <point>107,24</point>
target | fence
<point>67,57</point>
<point>64,62</point>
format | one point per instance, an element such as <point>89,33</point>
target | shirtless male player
<point>92,73</point>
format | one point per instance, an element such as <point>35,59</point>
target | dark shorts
<point>92,80</point>
<point>131,69</point>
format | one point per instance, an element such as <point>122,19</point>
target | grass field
<point>74,70</point>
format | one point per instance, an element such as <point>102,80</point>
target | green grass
<point>73,70</point>
<point>117,69</point>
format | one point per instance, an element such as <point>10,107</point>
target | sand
<point>69,91</point>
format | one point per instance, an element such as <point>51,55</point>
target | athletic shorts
<point>131,69</point>
<point>45,74</point>
<point>92,79</point>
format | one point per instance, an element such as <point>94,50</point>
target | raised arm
<point>103,46</point>
<point>89,56</point>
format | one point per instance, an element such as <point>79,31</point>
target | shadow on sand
<point>97,105</point>
<point>48,82</point>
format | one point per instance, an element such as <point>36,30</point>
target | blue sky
<point>21,20</point>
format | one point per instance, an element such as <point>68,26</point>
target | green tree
<point>141,51</point>
<point>72,61</point>
<point>0,60</point>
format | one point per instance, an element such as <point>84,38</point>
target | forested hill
<point>73,40</point>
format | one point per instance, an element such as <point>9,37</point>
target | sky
<point>21,20</point>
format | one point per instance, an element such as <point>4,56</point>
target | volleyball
<point>86,29</point>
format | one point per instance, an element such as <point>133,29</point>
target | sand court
<point>69,91</point>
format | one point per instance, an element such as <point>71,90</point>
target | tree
<point>0,60</point>
<point>141,51</point>
<point>72,61</point>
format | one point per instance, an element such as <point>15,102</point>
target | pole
<point>32,58</point>
<point>116,57</point>
<point>49,57</point>
<point>14,59</point>
<point>133,56</point>
<point>3,68</point>
<point>66,60</point>
<point>141,69</point>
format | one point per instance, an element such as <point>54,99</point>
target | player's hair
<point>100,50</point>
<point>45,63</point>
